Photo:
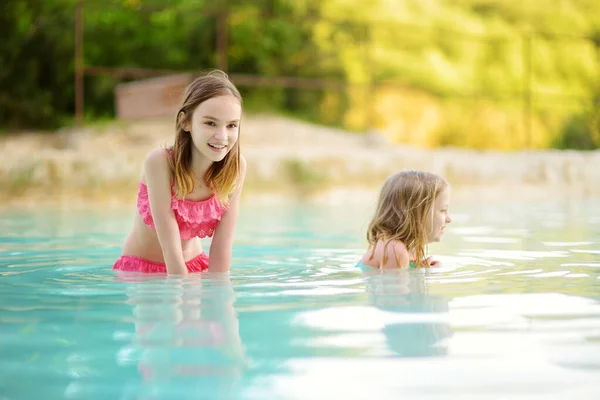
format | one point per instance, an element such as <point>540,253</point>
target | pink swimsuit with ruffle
<point>194,218</point>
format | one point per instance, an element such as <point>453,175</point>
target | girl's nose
<point>221,134</point>
<point>448,219</point>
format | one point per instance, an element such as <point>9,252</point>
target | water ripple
<point>515,307</point>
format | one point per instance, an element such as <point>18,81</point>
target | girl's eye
<point>232,126</point>
<point>210,123</point>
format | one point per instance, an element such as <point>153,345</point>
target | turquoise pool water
<point>513,313</point>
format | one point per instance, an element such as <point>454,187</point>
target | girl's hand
<point>432,263</point>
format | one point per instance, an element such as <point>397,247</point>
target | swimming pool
<point>513,313</point>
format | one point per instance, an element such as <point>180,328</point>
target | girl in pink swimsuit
<point>191,190</point>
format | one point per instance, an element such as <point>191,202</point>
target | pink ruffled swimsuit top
<point>194,218</point>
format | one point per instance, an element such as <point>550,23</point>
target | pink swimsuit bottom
<point>138,264</point>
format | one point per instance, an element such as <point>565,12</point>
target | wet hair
<point>405,203</point>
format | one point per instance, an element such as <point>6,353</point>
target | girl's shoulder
<point>162,153</point>
<point>392,244</point>
<point>159,155</point>
<point>390,254</point>
<point>156,163</point>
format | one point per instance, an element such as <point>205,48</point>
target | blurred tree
<point>36,78</point>
<point>582,131</point>
<point>433,52</point>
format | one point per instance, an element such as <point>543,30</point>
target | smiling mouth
<point>217,147</point>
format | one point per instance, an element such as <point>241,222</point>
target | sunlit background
<point>465,74</point>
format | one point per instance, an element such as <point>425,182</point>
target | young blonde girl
<point>412,211</point>
<point>191,190</point>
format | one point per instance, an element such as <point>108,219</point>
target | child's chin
<point>216,157</point>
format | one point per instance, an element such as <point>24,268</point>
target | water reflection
<point>186,340</point>
<point>416,322</point>
<point>400,319</point>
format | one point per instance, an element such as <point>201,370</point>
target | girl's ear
<point>183,122</point>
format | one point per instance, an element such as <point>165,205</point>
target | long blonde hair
<point>221,177</point>
<point>405,203</point>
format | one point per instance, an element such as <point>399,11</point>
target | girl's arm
<point>397,255</point>
<point>158,182</point>
<point>220,248</point>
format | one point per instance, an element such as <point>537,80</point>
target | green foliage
<point>447,49</point>
<point>575,135</point>
<point>37,69</point>
<point>581,131</point>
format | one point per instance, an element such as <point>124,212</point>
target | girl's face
<point>214,126</point>
<point>439,217</point>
